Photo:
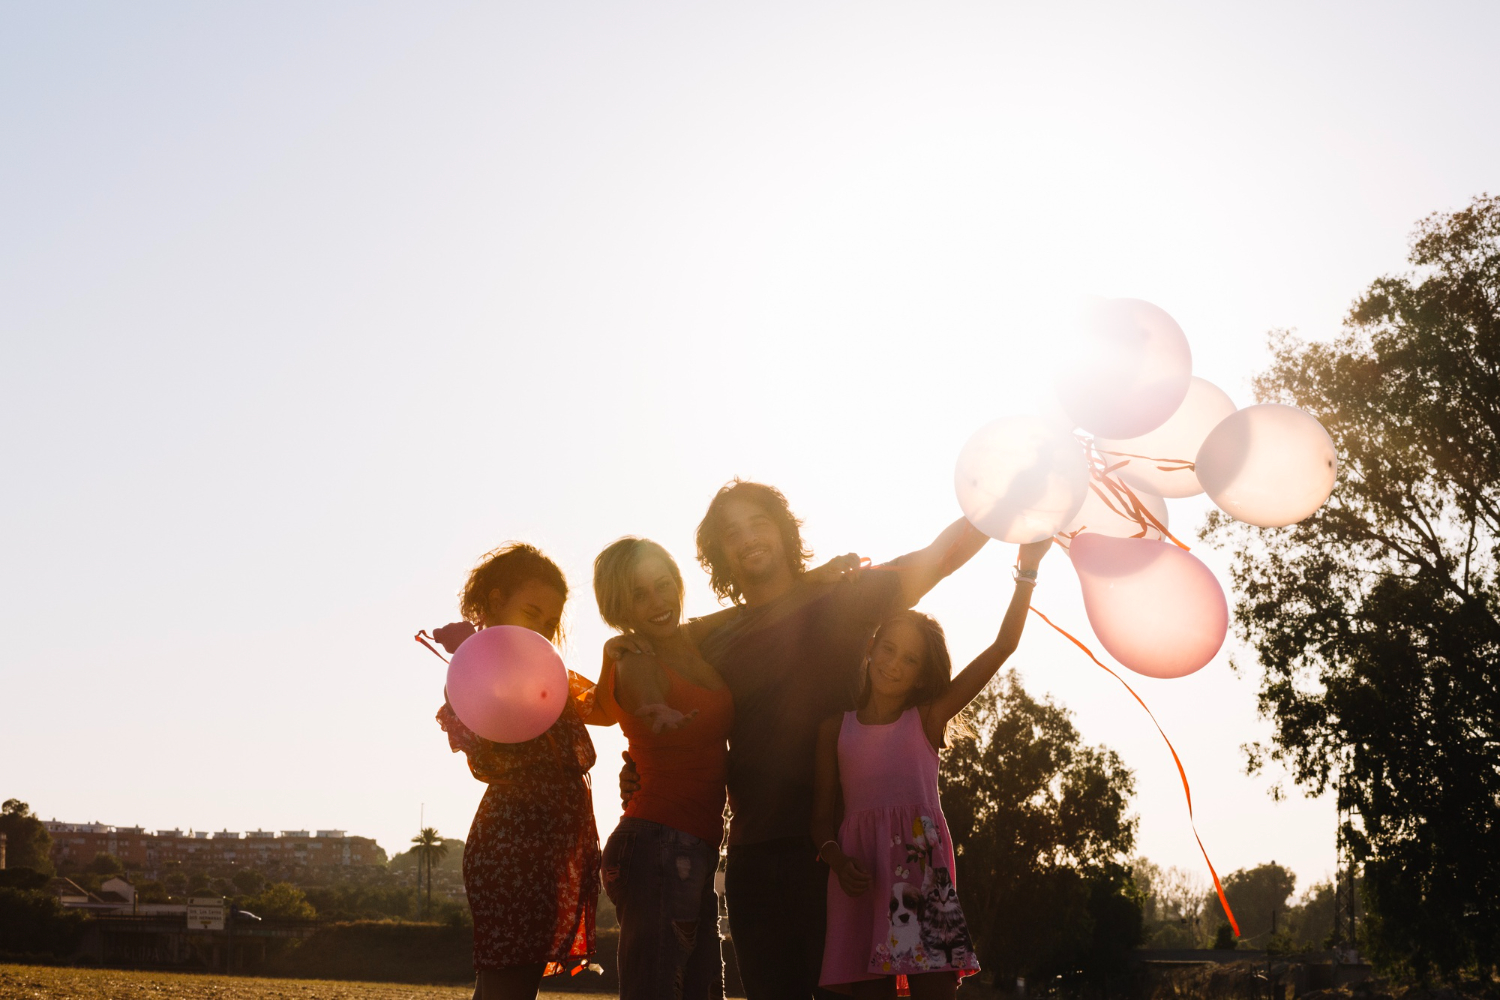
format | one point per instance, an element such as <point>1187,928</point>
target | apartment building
<point>76,844</point>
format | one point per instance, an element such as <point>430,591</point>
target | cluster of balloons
<point>1154,431</point>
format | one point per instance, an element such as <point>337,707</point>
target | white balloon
<point>1269,465</point>
<point>1126,370</point>
<point>1019,479</point>
<point>1096,517</point>
<point>1176,440</point>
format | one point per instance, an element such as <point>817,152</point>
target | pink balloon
<point>1126,371</point>
<point>507,684</point>
<point>1154,606</point>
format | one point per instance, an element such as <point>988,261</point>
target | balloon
<point>507,684</point>
<point>1020,479</point>
<point>1154,606</point>
<point>1268,465</point>
<point>1178,439</point>
<point>1126,371</point>
<point>1097,517</point>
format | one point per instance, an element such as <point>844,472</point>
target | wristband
<point>825,843</point>
<point>1025,576</point>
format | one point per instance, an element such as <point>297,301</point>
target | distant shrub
<point>33,922</point>
<point>23,878</point>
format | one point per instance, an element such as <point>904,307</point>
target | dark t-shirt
<point>791,664</point>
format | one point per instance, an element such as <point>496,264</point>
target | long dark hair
<point>711,541</point>
<point>936,671</point>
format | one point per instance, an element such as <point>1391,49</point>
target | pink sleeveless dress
<point>909,920</point>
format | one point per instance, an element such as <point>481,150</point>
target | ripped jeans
<point>661,881</point>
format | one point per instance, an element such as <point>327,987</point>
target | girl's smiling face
<point>534,605</point>
<point>896,659</point>
<point>655,601</point>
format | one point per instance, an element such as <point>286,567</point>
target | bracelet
<point>825,843</point>
<point>1025,576</point>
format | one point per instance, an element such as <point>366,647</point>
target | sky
<point>306,306</point>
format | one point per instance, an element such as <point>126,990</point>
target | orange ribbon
<point>422,637</point>
<point>1172,464</point>
<point>1186,790</point>
<point>1119,497</point>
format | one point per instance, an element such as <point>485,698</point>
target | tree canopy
<point>1375,620</point>
<point>1039,821</point>
<point>282,901</point>
<point>1260,897</point>
<point>27,842</point>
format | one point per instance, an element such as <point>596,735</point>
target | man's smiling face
<point>752,544</point>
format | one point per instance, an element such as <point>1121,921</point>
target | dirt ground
<point>37,982</point>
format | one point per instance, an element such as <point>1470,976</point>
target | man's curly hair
<point>711,553</point>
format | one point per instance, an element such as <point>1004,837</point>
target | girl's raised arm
<point>972,679</point>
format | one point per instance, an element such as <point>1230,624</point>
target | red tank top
<point>682,772</point>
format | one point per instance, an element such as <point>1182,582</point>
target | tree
<point>151,891</point>
<point>105,864</point>
<point>27,842</point>
<point>249,881</point>
<point>1040,828</point>
<point>282,901</point>
<point>1172,905</point>
<point>1375,620</point>
<point>33,922</point>
<point>1310,924</point>
<point>1260,898</point>
<point>430,848</point>
<point>23,878</point>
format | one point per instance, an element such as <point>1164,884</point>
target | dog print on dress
<point>927,929</point>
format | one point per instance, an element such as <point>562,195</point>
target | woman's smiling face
<point>655,601</point>
<point>896,659</point>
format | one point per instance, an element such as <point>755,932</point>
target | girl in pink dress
<point>893,909</point>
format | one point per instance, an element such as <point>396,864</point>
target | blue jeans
<point>661,881</point>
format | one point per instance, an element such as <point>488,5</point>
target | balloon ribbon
<point>1118,497</point>
<point>1181,773</point>
<point>422,637</point>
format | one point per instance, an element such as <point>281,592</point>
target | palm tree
<point>430,850</point>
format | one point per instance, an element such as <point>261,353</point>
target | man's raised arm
<point>921,570</point>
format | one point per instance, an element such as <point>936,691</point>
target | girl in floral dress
<point>894,918</point>
<point>531,863</point>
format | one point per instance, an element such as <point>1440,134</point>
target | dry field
<point>38,982</point>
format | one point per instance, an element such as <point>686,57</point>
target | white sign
<point>205,914</point>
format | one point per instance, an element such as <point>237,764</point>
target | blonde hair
<point>614,577</point>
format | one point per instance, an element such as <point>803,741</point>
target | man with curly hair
<point>789,648</point>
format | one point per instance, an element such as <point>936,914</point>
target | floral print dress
<point>531,863</point>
